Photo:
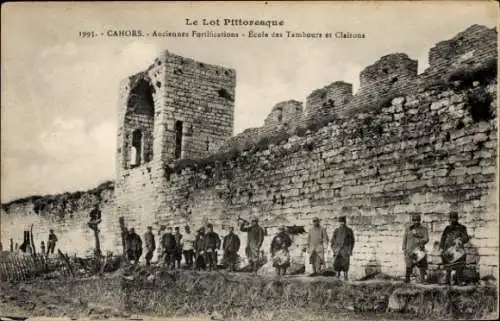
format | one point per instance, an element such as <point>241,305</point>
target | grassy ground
<point>242,297</point>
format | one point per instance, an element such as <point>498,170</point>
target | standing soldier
<point>212,244</point>
<point>178,243</point>
<point>452,248</point>
<point>159,251</point>
<point>134,246</point>
<point>170,248</point>
<point>124,235</point>
<point>342,245</point>
<point>51,243</point>
<point>149,239</point>
<point>95,218</point>
<point>199,246</point>
<point>279,251</point>
<point>231,246</point>
<point>415,238</point>
<point>255,238</point>
<point>316,242</point>
<point>188,246</point>
<point>42,247</point>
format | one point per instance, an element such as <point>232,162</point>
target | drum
<point>417,255</point>
<point>453,254</point>
<point>281,257</point>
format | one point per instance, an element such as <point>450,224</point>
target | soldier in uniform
<point>95,218</point>
<point>454,237</point>
<point>134,246</point>
<point>279,251</point>
<point>342,245</point>
<point>231,246</point>
<point>149,239</point>
<point>51,244</point>
<point>42,247</point>
<point>178,243</point>
<point>170,248</point>
<point>199,246</point>
<point>415,238</point>
<point>159,250</point>
<point>212,244</point>
<point>316,242</point>
<point>188,240</point>
<point>255,238</point>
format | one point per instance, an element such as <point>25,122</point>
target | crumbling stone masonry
<point>423,143</point>
<point>424,149</point>
<point>285,116</point>
<point>327,101</point>
<point>177,109</point>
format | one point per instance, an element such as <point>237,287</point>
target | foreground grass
<point>243,297</point>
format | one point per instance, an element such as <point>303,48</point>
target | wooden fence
<point>21,266</point>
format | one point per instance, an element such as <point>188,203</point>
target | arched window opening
<point>140,99</point>
<point>135,156</point>
<point>178,139</point>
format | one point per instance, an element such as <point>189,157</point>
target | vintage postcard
<point>249,160</point>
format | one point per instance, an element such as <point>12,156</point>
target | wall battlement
<point>391,75</point>
<point>472,45</point>
<point>388,70</point>
<point>327,100</point>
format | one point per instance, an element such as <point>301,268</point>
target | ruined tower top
<point>177,108</point>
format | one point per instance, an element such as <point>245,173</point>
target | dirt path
<point>205,318</point>
<point>138,318</point>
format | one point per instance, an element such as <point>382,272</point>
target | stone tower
<point>176,109</point>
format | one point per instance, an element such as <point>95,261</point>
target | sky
<point>60,91</point>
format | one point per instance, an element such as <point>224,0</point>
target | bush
<point>317,124</point>
<point>185,163</point>
<point>466,76</point>
<point>274,139</point>
<point>375,106</point>
<point>300,131</point>
<point>479,105</point>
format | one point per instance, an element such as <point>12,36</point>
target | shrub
<point>317,124</point>
<point>375,106</point>
<point>184,163</point>
<point>479,105</point>
<point>274,139</point>
<point>466,76</point>
<point>300,131</point>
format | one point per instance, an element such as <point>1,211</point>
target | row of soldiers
<point>415,238</point>
<point>201,249</point>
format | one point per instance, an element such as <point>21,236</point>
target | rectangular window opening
<point>178,139</point>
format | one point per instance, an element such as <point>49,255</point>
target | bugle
<point>240,219</point>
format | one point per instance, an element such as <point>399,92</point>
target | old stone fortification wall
<point>391,75</point>
<point>67,214</point>
<point>429,149</point>
<point>423,153</point>
<point>427,145</point>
